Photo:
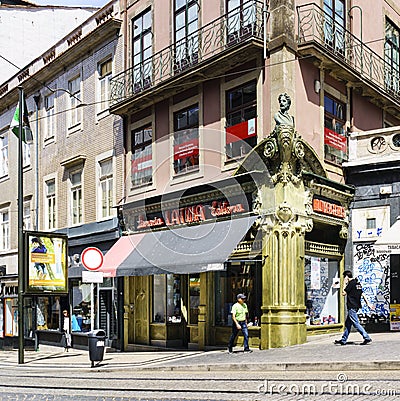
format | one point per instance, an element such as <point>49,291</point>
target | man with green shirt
<point>239,322</point>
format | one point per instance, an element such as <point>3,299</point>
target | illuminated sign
<point>321,206</point>
<point>190,214</point>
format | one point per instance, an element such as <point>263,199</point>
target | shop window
<point>335,139</point>
<point>48,313</point>
<point>159,301</point>
<point>186,140</point>
<point>81,304</point>
<point>194,298</point>
<point>142,164</point>
<point>241,122</point>
<point>239,277</point>
<point>167,299</point>
<point>322,290</point>
<point>11,317</point>
<point>1,319</point>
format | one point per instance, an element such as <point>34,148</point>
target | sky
<point>94,3</point>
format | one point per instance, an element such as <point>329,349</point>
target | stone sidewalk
<point>318,353</point>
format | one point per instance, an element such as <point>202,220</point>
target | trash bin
<point>96,339</point>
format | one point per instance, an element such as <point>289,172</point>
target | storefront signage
<point>324,207</point>
<point>9,290</point>
<point>190,214</point>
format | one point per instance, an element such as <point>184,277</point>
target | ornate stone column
<point>283,309</point>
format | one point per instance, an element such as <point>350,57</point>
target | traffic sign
<point>92,258</point>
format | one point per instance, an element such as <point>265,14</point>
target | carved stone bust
<point>282,117</point>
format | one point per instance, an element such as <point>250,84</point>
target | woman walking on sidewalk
<point>353,290</point>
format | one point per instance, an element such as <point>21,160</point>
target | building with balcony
<point>373,169</point>
<point>231,121</point>
<point>199,97</point>
<point>71,178</point>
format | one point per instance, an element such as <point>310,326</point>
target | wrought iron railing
<point>222,34</point>
<point>315,26</point>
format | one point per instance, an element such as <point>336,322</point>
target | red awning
<point>179,250</point>
<point>118,253</point>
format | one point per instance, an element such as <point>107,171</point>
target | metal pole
<point>91,306</point>
<point>361,31</point>
<point>20,232</point>
<point>37,99</point>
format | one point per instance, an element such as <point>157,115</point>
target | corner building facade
<point>198,95</point>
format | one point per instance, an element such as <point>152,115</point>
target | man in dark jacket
<point>353,289</point>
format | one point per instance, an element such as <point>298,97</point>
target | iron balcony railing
<point>232,29</point>
<point>315,26</point>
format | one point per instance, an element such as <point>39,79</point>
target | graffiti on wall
<point>373,272</point>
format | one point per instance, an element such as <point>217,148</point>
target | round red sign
<point>92,258</point>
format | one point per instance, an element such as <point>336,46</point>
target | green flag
<point>26,129</point>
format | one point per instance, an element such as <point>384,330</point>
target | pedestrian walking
<point>66,331</point>
<point>239,322</point>
<point>353,290</point>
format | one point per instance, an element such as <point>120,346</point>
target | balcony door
<point>142,51</point>
<point>186,18</point>
<point>334,25</point>
<point>392,57</point>
<point>241,20</point>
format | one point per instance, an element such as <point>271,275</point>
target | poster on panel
<point>47,266</point>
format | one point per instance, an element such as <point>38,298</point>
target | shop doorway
<point>107,314</point>
<point>138,310</point>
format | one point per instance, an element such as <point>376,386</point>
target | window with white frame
<point>3,155</point>
<point>106,188</point>
<point>27,216</point>
<point>4,229</point>
<point>105,75</point>
<point>74,88</point>
<point>141,163</point>
<point>186,36</point>
<point>76,197</point>
<point>142,38</point>
<point>392,56</point>
<point>186,140</point>
<point>50,207</point>
<point>26,154</point>
<point>49,116</point>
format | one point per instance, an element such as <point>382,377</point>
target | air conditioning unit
<point>387,190</point>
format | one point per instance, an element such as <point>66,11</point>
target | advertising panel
<point>47,266</point>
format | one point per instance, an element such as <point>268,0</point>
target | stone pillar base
<point>282,327</point>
